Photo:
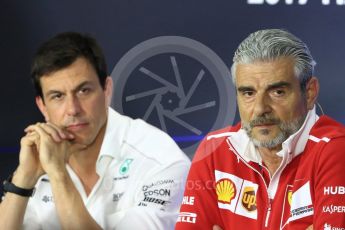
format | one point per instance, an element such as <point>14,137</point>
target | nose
<point>262,105</point>
<point>73,106</point>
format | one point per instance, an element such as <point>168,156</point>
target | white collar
<point>115,133</point>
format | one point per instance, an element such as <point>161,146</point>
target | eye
<point>278,92</point>
<point>84,91</point>
<point>56,96</point>
<point>248,93</point>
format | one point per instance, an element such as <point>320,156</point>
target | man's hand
<point>29,164</point>
<point>216,227</point>
<point>44,149</point>
<point>52,144</point>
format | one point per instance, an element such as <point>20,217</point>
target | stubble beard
<point>286,129</point>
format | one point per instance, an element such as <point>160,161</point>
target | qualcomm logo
<point>290,2</point>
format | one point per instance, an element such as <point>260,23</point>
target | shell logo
<point>226,190</point>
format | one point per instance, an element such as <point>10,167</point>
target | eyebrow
<point>76,89</point>
<point>81,85</point>
<point>275,85</point>
<point>51,92</point>
<point>279,84</point>
<point>245,88</point>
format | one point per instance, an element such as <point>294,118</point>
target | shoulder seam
<point>316,139</point>
<point>226,134</point>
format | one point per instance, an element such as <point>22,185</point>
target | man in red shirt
<point>282,166</point>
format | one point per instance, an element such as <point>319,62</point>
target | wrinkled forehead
<point>266,72</point>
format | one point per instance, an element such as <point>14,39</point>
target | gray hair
<point>271,44</point>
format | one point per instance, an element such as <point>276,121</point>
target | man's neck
<point>270,158</point>
<point>83,162</point>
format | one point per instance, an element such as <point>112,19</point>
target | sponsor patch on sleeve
<point>187,217</point>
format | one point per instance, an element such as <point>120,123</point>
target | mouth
<point>264,125</point>
<point>264,122</point>
<point>76,127</point>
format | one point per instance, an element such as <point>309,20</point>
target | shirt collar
<point>296,143</point>
<point>115,133</point>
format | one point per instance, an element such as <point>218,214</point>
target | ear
<point>40,104</point>
<point>312,91</point>
<point>108,90</point>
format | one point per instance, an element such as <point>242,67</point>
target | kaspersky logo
<point>226,191</point>
<point>249,199</point>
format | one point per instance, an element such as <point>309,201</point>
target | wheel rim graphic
<point>177,84</point>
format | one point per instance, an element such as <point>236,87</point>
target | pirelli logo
<point>187,217</point>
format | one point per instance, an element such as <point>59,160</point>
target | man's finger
<point>52,131</point>
<point>30,138</point>
<point>40,131</point>
<point>63,133</point>
<point>55,132</point>
<point>216,227</point>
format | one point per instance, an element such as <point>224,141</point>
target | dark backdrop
<point>121,25</point>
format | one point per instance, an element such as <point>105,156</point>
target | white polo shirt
<point>142,175</point>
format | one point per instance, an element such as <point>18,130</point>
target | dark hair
<point>61,51</point>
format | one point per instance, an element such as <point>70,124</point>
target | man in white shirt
<point>91,167</point>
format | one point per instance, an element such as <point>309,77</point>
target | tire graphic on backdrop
<point>176,84</point>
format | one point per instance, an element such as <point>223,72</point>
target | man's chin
<point>261,137</point>
<point>268,142</point>
<point>265,135</point>
<point>76,147</point>
<point>79,141</point>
